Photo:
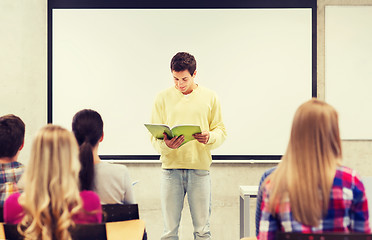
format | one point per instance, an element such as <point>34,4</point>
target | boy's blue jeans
<point>175,183</point>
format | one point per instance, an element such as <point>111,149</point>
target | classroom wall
<point>356,153</point>
<point>23,64</point>
<point>23,80</point>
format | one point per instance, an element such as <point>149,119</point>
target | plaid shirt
<point>348,210</point>
<point>259,198</point>
<point>10,173</point>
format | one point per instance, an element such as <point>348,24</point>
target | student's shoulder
<point>12,200</point>
<point>91,200</point>
<point>13,211</point>
<point>266,174</point>
<point>347,177</point>
<point>17,165</point>
<point>167,91</point>
<point>88,196</point>
<point>345,172</point>
<point>13,197</point>
<point>204,89</point>
<point>111,166</point>
<point>166,94</point>
<point>14,168</point>
<point>14,164</point>
<point>207,92</point>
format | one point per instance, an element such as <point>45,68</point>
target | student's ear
<point>101,139</point>
<point>194,74</point>
<point>20,148</point>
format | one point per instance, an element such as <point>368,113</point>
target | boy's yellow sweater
<point>200,107</point>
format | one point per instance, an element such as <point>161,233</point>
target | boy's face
<point>184,81</point>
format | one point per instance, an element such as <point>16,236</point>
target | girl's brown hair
<point>307,169</point>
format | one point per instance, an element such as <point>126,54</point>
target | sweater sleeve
<point>157,117</point>
<point>128,195</point>
<point>268,225</point>
<point>217,129</point>
<point>359,209</point>
<point>13,211</point>
<point>259,197</point>
<point>92,209</point>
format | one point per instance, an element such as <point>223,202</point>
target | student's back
<point>111,181</point>
<point>51,202</point>
<point>12,132</point>
<point>310,191</point>
<point>347,211</point>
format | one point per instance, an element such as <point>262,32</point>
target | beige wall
<point>23,67</point>
<point>23,80</point>
<point>356,154</point>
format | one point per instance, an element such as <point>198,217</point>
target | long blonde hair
<point>307,169</point>
<point>51,195</point>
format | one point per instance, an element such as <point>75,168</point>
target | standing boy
<point>12,133</point>
<point>186,168</point>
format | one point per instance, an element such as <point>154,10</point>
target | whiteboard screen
<point>115,61</point>
<point>348,68</point>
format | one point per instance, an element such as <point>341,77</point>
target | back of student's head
<point>12,133</point>
<point>315,132</point>
<point>183,61</point>
<point>307,169</point>
<point>51,193</point>
<point>87,126</point>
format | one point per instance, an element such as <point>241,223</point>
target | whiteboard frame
<point>169,4</point>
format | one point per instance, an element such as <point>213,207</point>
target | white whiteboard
<point>348,68</point>
<point>115,61</point>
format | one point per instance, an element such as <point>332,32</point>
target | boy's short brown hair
<point>183,61</point>
<point>12,134</point>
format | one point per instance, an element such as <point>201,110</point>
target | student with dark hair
<point>12,133</point>
<point>111,181</point>
<point>310,190</point>
<point>186,168</point>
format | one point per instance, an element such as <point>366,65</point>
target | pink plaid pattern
<point>10,173</point>
<point>347,211</point>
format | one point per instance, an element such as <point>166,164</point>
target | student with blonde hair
<point>51,202</point>
<point>310,191</point>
